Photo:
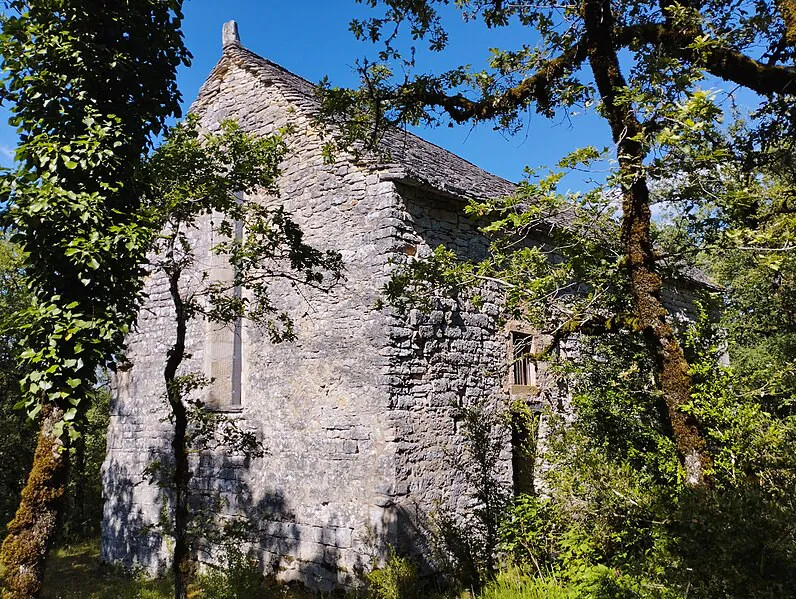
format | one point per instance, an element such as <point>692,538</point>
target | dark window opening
<point>524,441</point>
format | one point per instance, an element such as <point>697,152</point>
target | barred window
<point>523,363</point>
<point>529,383</point>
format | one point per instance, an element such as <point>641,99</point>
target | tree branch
<point>726,63</point>
<point>536,88</point>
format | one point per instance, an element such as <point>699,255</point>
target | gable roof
<point>411,159</point>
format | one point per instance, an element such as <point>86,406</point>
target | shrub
<point>240,577</point>
<point>396,580</point>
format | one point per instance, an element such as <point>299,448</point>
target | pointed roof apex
<point>229,35</point>
<point>412,160</point>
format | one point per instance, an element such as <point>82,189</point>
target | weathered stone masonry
<point>358,416</point>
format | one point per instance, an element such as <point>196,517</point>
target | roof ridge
<point>421,163</point>
<point>270,63</point>
<point>425,162</point>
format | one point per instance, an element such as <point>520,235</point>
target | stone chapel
<point>359,416</point>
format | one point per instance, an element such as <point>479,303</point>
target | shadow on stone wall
<point>324,554</point>
<point>227,512</point>
<point>441,221</point>
<point>132,534</point>
<point>128,538</point>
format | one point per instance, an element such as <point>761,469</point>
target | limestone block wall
<point>361,415</point>
<point>444,360</point>
<point>456,356</point>
<point>137,437</point>
<point>319,405</point>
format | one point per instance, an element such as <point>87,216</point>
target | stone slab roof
<point>410,159</point>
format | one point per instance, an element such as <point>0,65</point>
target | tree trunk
<point>32,531</point>
<point>673,380</point>
<point>787,9</point>
<point>181,565</point>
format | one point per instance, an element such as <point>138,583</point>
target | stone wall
<point>445,361</point>
<point>361,417</point>
<point>320,405</point>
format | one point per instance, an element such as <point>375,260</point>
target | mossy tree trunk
<point>32,531</point>
<point>787,9</point>
<point>673,378</point>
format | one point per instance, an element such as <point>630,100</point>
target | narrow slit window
<point>224,346</point>
<point>237,339</point>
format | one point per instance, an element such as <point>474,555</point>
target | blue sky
<point>314,41</point>
<point>311,38</point>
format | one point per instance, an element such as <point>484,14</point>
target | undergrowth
<point>74,572</point>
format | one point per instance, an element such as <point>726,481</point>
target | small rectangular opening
<point>523,365</point>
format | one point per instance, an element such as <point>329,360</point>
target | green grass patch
<point>514,583</point>
<point>75,572</point>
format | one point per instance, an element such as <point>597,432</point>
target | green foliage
<point>668,48</point>
<point>756,263</point>
<point>530,532</point>
<point>556,258</point>
<point>666,129</point>
<point>202,186</point>
<point>593,582</point>
<point>84,499</point>
<point>397,579</point>
<point>195,175</point>
<point>517,583</point>
<point>238,577</point>
<point>465,545</point>
<point>17,433</point>
<point>616,519</point>
<point>88,85</point>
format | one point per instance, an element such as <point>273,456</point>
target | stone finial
<point>229,34</point>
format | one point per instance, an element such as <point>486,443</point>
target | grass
<point>75,572</point>
<point>514,583</point>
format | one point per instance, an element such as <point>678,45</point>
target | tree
<point>673,456</point>
<point>89,84</point>
<point>17,432</point>
<point>671,45</point>
<point>17,437</point>
<point>614,516</point>
<point>195,177</point>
